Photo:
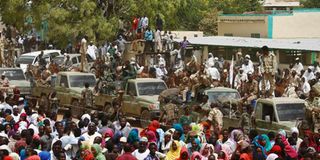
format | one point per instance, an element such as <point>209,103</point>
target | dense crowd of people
<point>198,134</point>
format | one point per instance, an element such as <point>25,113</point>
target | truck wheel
<point>110,111</point>
<point>145,118</point>
<point>44,102</point>
<point>75,109</point>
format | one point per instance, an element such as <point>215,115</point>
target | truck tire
<point>145,118</point>
<point>75,109</point>
<point>44,102</point>
<point>109,110</point>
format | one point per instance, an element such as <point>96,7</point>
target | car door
<point>62,89</point>
<point>130,99</point>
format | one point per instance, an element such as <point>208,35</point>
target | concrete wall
<point>243,26</point>
<point>298,25</point>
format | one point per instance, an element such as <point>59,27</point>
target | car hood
<point>288,124</point>
<point>149,99</point>
<point>20,83</point>
<point>78,89</point>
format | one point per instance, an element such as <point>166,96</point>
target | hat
<point>310,67</point>
<point>159,55</point>
<point>247,56</point>
<point>5,147</point>
<point>21,98</point>
<point>3,74</point>
<point>216,58</point>
<point>225,70</point>
<point>249,72</point>
<point>297,58</point>
<point>143,139</point>
<point>240,69</point>
<point>14,106</point>
<point>123,139</point>
<point>210,54</point>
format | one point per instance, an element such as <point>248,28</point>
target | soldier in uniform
<point>1,50</point>
<point>83,52</point>
<point>268,70</point>
<point>252,91</point>
<point>87,96</point>
<point>215,117</point>
<point>168,112</point>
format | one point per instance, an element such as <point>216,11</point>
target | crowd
<point>34,134</point>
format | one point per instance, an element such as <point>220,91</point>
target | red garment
<point>183,150</point>
<point>126,156</point>
<point>246,156</point>
<point>7,158</point>
<point>34,157</point>
<point>291,152</point>
<point>154,125</point>
<point>275,149</point>
<point>135,23</point>
<point>151,136</point>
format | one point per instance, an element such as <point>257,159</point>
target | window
<point>54,54</point>
<point>228,34</point>
<point>74,60</point>
<point>64,81</point>
<point>131,90</point>
<point>267,111</point>
<point>255,35</point>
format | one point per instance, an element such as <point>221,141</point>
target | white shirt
<point>210,62</point>
<point>16,118</point>
<point>240,78</point>
<point>214,73</point>
<point>91,138</point>
<point>306,87</point>
<point>298,67</point>
<point>309,76</point>
<point>4,106</point>
<point>92,51</point>
<point>157,36</point>
<point>140,156</point>
<point>248,68</point>
<point>162,61</point>
<point>145,22</point>
<point>161,72</point>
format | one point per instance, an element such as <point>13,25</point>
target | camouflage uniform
<point>245,122</point>
<point>268,68</point>
<point>215,116</point>
<point>252,90</point>
<point>169,112</point>
<point>87,95</point>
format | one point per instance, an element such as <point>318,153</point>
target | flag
<point>231,73</point>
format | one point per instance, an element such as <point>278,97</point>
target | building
<point>280,4</point>
<point>297,23</point>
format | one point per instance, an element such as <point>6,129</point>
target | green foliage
<point>311,3</point>
<point>61,21</point>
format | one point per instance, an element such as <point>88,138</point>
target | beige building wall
<point>243,26</point>
<point>298,25</point>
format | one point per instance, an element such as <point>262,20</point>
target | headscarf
<point>174,154</point>
<point>99,155</point>
<point>195,154</point>
<point>294,130</point>
<point>183,150</point>
<point>151,136</point>
<point>283,132</point>
<point>88,155</point>
<point>15,156</point>
<point>7,158</point>
<point>205,124</point>
<point>109,132</point>
<point>44,155</point>
<point>204,145</point>
<point>178,127</point>
<point>86,116</point>
<point>133,136</point>
<point>23,154</point>
<point>246,156</point>
<point>265,148</point>
<point>226,155</point>
<point>198,145</point>
<point>154,125</point>
<point>160,133</point>
<point>230,145</point>
<point>291,152</point>
<point>272,156</point>
<point>34,157</point>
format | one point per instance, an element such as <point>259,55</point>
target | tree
<point>311,3</point>
<point>209,23</point>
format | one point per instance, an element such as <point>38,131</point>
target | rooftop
<point>281,3</point>
<point>286,44</point>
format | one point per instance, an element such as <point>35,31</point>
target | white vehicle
<point>33,58</point>
<point>74,58</point>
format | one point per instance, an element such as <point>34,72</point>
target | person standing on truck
<point>215,116</point>
<point>87,96</point>
<point>268,70</point>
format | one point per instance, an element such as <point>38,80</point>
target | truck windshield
<point>58,60</point>
<point>79,80</point>
<point>13,74</point>
<point>25,59</point>
<point>215,96</point>
<point>290,111</point>
<point>151,88</point>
